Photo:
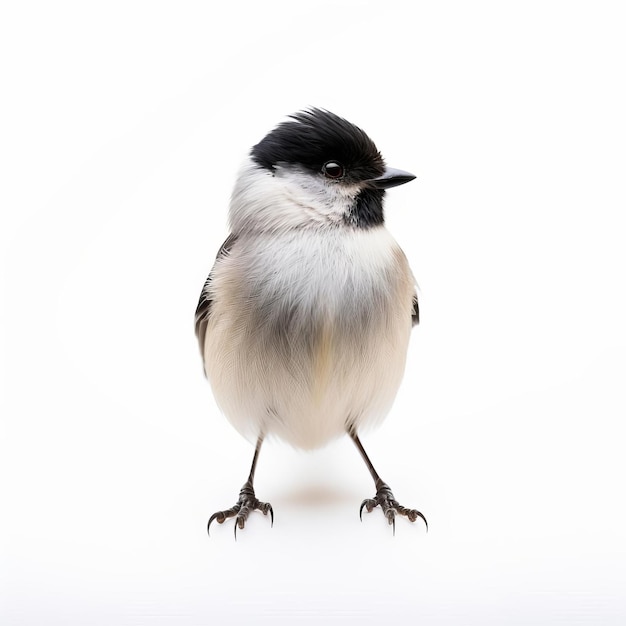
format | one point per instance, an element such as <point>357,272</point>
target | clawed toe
<point>247,502</point>
<point>390,506</point>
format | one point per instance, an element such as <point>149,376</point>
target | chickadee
<point>304,320</point>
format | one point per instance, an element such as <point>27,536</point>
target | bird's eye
<point>332,169</point>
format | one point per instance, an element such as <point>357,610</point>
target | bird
<point>304,320</point>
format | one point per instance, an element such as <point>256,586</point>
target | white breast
<point>308,332</point>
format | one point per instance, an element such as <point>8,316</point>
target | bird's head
<point>314,170</point>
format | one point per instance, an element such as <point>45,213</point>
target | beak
<point>392,178</point>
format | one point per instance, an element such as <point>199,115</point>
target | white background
<point>123,125</point>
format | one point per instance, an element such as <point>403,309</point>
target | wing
<point>415,315</point>
<point>203,310</point>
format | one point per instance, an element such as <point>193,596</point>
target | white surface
<point>123,125</point>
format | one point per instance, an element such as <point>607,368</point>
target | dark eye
<point>332,169</point>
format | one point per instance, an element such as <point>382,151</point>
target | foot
<point>247,502</point>
<point>390,506</point>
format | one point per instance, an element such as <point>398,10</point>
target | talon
<point>215,516</point>
<point>369,505</point>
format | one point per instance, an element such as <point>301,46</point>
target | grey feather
<point>203,310</point>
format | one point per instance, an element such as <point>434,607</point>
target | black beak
<point>392,178</point>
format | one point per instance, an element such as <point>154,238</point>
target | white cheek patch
<point>322,200</point>
<point>288,198</point>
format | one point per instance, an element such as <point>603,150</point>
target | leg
<point>384,496</point>
<point>247,501</point>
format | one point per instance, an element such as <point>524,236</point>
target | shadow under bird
<point>305,318</point>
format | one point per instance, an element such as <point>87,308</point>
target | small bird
<point>305,318</point>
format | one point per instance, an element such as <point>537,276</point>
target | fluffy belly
<point>306,390</point>
<point>304,355</point>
